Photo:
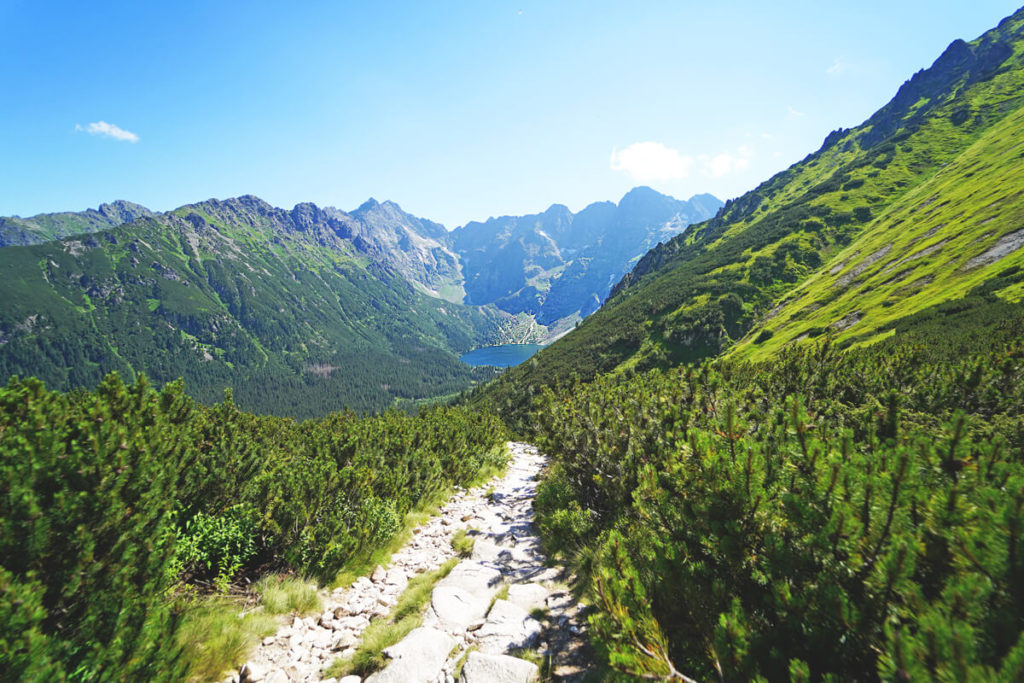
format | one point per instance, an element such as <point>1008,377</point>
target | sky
<point>456,110</point>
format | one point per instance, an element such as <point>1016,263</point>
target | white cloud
<point>838,67</point>
<point>108,130</point>
<point>794,112</point>
<point>651,161</point>
<point>725,163</point>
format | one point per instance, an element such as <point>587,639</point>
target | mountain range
<point>328,308</point>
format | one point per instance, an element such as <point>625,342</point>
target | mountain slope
<point>693,296</point>
<point>557,264</point>
<point>282,305</point>
<point>959,232</point>
<point>52,226</point>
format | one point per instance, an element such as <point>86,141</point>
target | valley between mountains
<point>779,438</point>
<point>365,310</point>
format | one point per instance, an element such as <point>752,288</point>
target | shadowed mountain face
<point>558,264</point>
<point>919,207</point>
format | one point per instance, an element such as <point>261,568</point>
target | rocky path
<point>502,601</point>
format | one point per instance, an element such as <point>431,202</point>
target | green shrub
<point>218,545</point>
<point>855,516</point>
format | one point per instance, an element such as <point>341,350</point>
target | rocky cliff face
<point>558,264</point>
<point>416,247</point>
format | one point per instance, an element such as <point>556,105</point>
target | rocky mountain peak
<point>121,211</point>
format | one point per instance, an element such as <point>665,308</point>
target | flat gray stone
<point>527,595</point>
<point>417,658</point>
<point>485,551</point>
<point>474,578</point>
<point>484,668</point>
<point>457,608</point>
<point>463,596</point>
<point>508,626</point>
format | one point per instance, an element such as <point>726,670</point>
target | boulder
<point>417,658</point>
<point>457,608</point>
<point>527,595</point>
<point>484,668</point>
<point>508,626</point>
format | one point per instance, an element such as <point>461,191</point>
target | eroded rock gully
<point>466,621</point>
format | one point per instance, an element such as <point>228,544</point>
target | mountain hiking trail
<point>467,625</point>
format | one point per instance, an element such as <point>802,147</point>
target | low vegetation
<point>113,497</point>
<point>287,595</point>
<point>823,516</point>
<point>463,543</point>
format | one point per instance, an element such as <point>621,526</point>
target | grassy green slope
<point>697,294</point>
<point>959,231</point>
<point>226,295</point>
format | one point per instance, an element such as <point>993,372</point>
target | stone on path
<point>474,578</point>
<point>527,595</point>
<point>483,668</point>
<point>417,657</point>
<point>456,608</point>
<point>485,551</point>
<point>508,626</point>
<point>252,673</point>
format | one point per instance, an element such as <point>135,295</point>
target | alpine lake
<point>503,356</point>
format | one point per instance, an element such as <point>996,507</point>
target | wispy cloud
<point>108,130</point>
<point>794,112</point>
<point>838,67</point>
<point>651,161</point>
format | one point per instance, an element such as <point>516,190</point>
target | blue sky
<point>456,110</point>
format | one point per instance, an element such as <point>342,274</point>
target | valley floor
<point>502,600</point>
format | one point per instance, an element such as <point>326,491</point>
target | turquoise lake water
<point>504,356</point>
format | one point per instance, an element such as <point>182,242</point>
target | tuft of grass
<point>462,661</point>
<point>287,595</point>
<point>463,543</point>
<point>502,594</point>
<point>215,638</point>
<point>369,656</point>
<point>406,615</point>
